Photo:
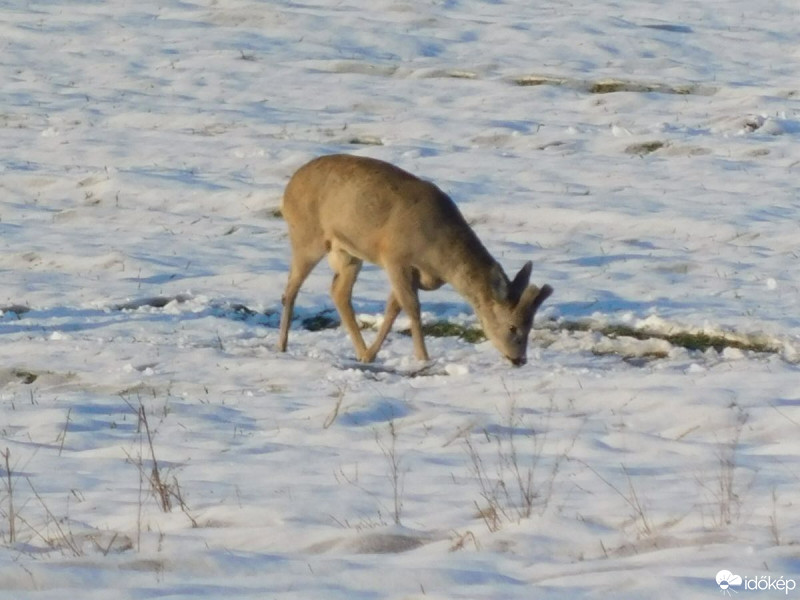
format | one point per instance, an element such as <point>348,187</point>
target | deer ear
<point>532,298</point>
<point>499,282</point>
<point>520,282</point>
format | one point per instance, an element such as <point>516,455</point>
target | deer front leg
<point>392,310</point>
<point>346,268</point>
<point>405,281</point>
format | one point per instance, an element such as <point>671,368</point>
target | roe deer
<point>355,209</point>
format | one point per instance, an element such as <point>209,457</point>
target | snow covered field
<point>644,155</point>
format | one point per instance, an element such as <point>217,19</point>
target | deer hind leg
<point>405,283</point>
<point>392,310</point>
<point>303,263</point>
<point>346,268</point>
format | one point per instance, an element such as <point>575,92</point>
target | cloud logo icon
<point>726,579</point>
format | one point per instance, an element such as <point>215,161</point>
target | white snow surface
<point>144,147</point>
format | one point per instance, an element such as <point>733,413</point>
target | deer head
<point>508,317</point>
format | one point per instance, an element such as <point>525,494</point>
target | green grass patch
<point>637,359</point>
<point>469,334</point>
<point>702,341</point>
<point>683,339</point>
<point>611,86</point>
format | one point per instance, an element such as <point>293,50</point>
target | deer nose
<point>518,362</point>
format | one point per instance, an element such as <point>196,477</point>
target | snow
<point>144,150</point>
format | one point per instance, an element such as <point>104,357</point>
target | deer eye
<point>512,329</point>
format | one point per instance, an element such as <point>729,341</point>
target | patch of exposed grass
<point>469,334</point>
<point>320,321</point>
<point>702,341</point>
<point>638,359</point>
<point>535,80</point>
<point>17,309</point>
<point>365,140</point>
<point>25,377</point>
<point>473,335</point>
<point>672,28</point>
<point>611,86</point>
<point>644,148</point>
<point>690,340</point>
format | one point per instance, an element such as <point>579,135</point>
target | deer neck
<point>471,275</point>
